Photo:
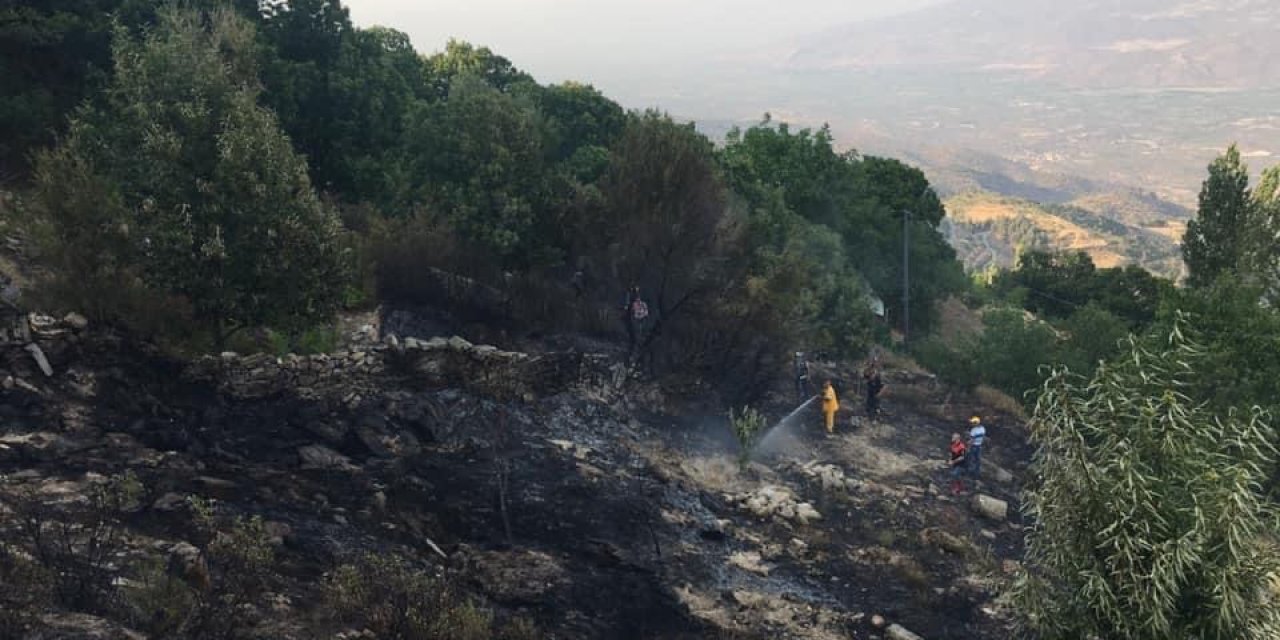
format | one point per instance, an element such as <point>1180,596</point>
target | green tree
<point>862,199</point>
<point>1241,363</point>
<point>1012,349</point>
<point>665,220</point>
<point>1093,336</point>
<point>373,85</point>
<point>479,158</point>
<point>1148,518</point>
<point>183,181</point>
<point>1216,240</point>
<point>465,59</point>
<point>54,54</point>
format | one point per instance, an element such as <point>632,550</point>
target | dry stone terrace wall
<point>357,375</point>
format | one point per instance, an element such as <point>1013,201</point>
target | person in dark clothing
<point>634,312</point>
<point>874,384</point>
<point>802,377</point>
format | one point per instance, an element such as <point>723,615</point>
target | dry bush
<point>399,601</point>
<point>1000,401</point>
<point>77,543</point>
<point>26,589</point>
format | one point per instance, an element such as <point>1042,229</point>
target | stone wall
<point>33,346</point>
<point>355,375</point>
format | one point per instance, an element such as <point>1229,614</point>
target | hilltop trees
<point>182,186</point>
<point>861,199</point>
<point>1148,518</point>
<point>1216,241</point>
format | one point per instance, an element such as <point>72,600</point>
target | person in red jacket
<point>958,453</point>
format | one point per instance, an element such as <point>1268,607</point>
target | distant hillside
<point>1094,44</point>
<point>992,230</point>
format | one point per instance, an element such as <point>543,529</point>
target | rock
<point>75,321</point>
<point>805,513</point>
<point>40,446</point>
<point>1003,477</point>
<point>459,344</point>
<point>315,456</point>
<point>991,508</point>
<point>38,355</point>
<point>170,502</point>
<point>946,541</point>
<point>750,561</point>
<point>187,563</point>
<point>383,443</point>
<point>8,383</point>
<point>897,632</point>
<point>380,500</point>
<point>277,532</point>
<point>80,626</point>
<point>41,323</point>
<point>877,621</point>
<point>217,487</point>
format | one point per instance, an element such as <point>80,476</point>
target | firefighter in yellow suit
<point>830,405</point>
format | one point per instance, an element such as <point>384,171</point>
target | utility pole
<point>906,277</point>
<point>906,267</point>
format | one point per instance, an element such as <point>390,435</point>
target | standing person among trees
<point>802,377</point>
<point>634,312</point>
<point>874,385</point>
<point>830,405</point>
<point>977,436</point>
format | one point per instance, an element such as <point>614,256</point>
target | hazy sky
<point>634,50</point>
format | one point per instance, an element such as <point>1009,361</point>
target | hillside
<point>1097,44</point>
<point>989,230</point>
<point>553,488</point>
<point>1138,94</point>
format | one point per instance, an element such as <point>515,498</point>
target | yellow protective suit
<point>830,405</point>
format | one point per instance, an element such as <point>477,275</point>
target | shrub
<point>748,425</point>
<point>398,601</point>
<point>955,365</point>
<point>1149,518</point>
<point>77,543</point>
<point>25,590</point>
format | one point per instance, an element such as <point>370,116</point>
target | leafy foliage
<point>188,186</point>
<point>748,425</point>
<point>1215,242</point>
<point>1148,518</point>
<point>1058,285</point>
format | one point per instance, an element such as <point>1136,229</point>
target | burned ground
<point>620,520</point>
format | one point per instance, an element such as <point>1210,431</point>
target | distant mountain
<point>1223,44</point>
<point>989,230</point>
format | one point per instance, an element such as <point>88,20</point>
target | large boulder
<point>991,508</point>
